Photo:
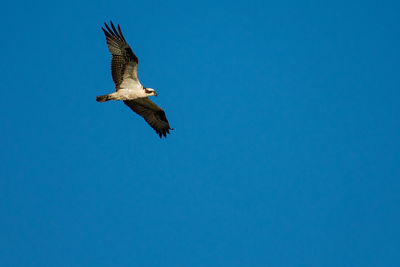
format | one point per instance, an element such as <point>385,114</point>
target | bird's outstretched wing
<point>123,62</point>
<point>153,114</point>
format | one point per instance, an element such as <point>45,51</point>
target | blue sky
<point>285,150</point>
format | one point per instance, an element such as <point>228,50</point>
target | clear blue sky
<point>285,151</point>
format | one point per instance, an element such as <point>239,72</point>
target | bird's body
<point>129,93</point>
<point>128,87</point>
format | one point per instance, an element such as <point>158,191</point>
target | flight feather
<point>153,114</point>
<point>123,62</point>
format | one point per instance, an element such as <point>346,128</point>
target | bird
<point>124,64</point>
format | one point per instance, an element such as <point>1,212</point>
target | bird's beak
<point>155,93</point>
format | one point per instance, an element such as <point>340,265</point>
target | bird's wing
<point>153,114</point>
<point>123,62</point>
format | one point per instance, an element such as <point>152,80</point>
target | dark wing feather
<point>123,62</point>
<point>153,114</point>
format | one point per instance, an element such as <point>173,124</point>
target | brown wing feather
<point>123,59</point>
<point>153,114</point>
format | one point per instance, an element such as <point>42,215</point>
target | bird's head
<point>150,92</point>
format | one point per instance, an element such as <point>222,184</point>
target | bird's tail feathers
<point>103,98</point>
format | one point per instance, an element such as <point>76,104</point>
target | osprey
<point>124,65</point>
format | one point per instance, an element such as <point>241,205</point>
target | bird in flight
<point>124,65</point>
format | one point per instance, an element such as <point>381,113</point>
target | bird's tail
<point>103,98</point>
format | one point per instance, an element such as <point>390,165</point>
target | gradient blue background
<point>286,144</point>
